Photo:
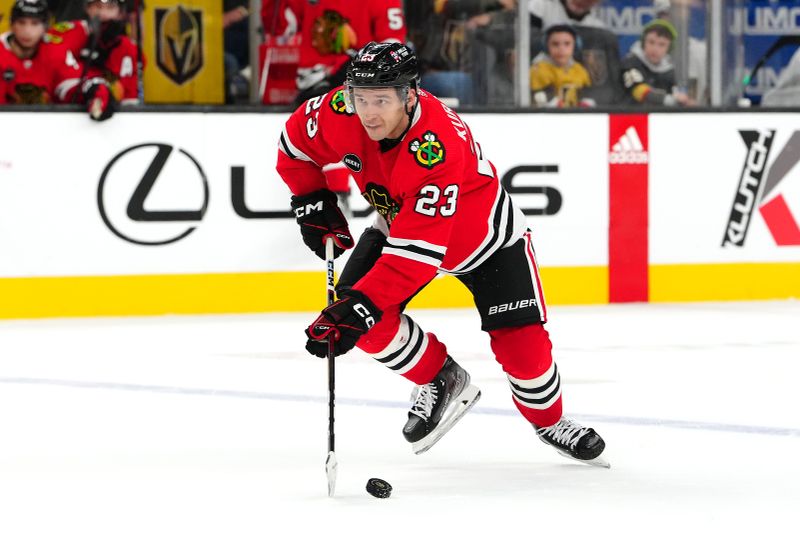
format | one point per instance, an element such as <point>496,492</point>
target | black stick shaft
<point>331,358</point>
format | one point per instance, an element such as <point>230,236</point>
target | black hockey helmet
<point>382,65</point>
<point>36,9</point>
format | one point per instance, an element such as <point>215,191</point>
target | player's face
<point>28,31</point>
<point>382,112</point>
<point>560,47</point>
<point>103,10</point>
<point>655,47</point>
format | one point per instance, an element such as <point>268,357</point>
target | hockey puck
<point>379,488</point>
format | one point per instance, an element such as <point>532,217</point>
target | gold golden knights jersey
<point>440,197</point>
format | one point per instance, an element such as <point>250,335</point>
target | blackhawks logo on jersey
<point>380,199</point>
<point>429,151</point>
<point>337,102</point>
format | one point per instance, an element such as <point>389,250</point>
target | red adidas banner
<point>628,158</point>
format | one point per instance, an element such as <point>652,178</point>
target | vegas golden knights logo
<point>179,43</point>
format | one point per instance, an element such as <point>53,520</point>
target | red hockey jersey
<point>441,199</point>
<point>51,75</point>
<point>120,69</point>
<point>329,28</point>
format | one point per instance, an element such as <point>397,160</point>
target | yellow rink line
<point>90,296</point>
<point>726,281</point>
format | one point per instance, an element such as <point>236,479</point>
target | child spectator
<point>648,74</point>
<point>556,77</point>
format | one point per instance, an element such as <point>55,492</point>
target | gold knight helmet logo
<point>179,43</point>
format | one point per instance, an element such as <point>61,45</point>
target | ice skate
<point>574,441</point>
<point>439,405</point>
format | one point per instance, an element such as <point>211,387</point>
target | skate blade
<point>596,462</point>
<point>454,413</point>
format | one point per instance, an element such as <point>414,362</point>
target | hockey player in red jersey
<point>34,70</point>
<point>103,48</point>
<point>442,209</point>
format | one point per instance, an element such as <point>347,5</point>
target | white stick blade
<point>330,471</point>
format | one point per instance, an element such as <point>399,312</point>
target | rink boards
<point>154,213</point>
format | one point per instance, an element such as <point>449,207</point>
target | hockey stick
<point>330,463</point>
<point>94,29</point>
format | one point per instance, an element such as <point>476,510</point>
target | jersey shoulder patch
<point>428,150</point>
<point>338,104</point>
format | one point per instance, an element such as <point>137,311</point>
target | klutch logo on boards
<point>758,189</point>
<point>628,149</point>
<point>179,43</point>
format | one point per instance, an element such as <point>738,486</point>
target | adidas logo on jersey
<point>628,149</point>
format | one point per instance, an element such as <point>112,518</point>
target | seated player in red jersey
<point>36,70</point>
<point>103,48</point>
<point>441,209</point>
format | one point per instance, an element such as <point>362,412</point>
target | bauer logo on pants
<point>179,43</point>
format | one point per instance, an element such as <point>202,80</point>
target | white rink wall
<point>152,210</point>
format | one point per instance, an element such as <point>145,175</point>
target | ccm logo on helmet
<point>509,306</point>
<point>365,74</point>
<point>308,208</point>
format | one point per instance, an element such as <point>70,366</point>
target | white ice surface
<point>218,424</point>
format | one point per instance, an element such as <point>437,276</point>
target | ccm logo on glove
<point>307,209</point>
<point>362,310</point>
<point>320,218</point>
<point>346,320</point>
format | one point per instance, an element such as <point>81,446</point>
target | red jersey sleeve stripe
<point>287,147</point>
<point>416,255</point>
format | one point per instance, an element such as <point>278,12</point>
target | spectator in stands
<point>236,31</point>
<point>35,70</point>
<point>787,89</point>
<point>546,13</point>
<point>105,51</point>
<point>556,76</point>
<point>647,71</point>
<point>697,52</point>
<point>442,35</point>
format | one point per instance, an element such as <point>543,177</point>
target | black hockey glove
<point>319,217</point>
<point>100,102</point>
<point>346,320</point>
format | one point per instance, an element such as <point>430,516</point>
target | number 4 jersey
<point>442,202</point>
